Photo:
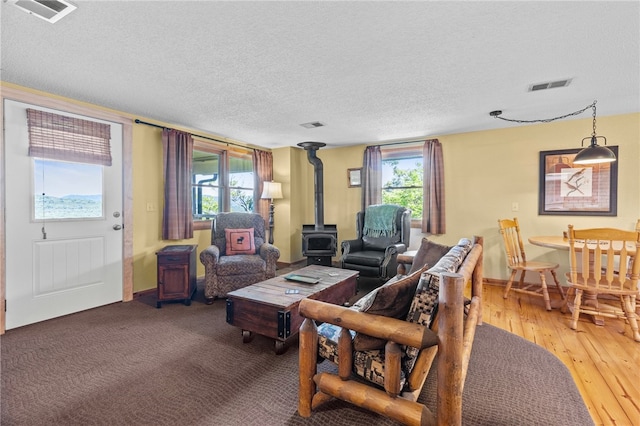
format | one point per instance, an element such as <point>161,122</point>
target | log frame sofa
<point>454,324</point>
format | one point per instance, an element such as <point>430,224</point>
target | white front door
<point>63,227</point>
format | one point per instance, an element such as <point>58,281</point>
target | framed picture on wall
<point>355,177</point>
<point>577,189</point>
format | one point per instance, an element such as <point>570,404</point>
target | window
<point>205,184</point>
<point>68,158</point>
<point>402,169</point>
<point>241,183</point>
<point>64,190</point>
<point>222,181</point>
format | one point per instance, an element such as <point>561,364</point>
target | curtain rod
<point>399,143</point>
<point>137,121</point>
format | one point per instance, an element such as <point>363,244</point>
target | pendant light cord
<point>496,114</point>
<point>44,208</point>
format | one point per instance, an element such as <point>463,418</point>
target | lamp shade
<point>271,190</point>
<point>594,154</point>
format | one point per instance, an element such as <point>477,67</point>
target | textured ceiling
<point>371,71</point>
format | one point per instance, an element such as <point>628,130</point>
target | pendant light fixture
<point>593,154</point>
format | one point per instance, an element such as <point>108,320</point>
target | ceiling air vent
<point>312,125</point>
<point>51,11</point>
<point>549,85</point>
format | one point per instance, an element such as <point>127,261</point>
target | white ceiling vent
<point>549,85</point>
<point>312,125</point>
<point>50,11</point>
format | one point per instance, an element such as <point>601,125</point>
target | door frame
<point>42,99</point>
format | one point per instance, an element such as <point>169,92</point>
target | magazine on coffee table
<point>302,278</point>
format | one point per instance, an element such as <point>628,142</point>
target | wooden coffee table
<point>268,308</point>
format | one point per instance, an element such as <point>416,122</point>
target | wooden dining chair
<point>631,258</point>
<point>594,270</point>
<point>517,262</point>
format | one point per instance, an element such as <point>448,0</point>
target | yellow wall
<point>148,192</point>
<point>284,231</point>
<point>484,173</point>
<point>298,207</point>
<point>147,224</point>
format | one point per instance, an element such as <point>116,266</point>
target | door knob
<point>117,227</point>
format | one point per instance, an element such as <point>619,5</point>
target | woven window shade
<point>57,137</point>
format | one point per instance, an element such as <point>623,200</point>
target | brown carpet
<point>133,364</point>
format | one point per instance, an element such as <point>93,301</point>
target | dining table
<point>561,242</point>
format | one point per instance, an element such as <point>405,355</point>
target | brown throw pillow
<point>240,241</point>
<point>428,254</point>
<point>392,301</point>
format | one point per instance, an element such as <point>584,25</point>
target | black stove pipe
<point>318,184</point>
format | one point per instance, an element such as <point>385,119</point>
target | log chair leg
<point>345,354</point>
<point>308,341</point>
<point>392,371</point>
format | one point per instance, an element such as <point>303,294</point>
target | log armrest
<point>391,329</point>
<point>405,261</point>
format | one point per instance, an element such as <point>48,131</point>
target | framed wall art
<point>355,177</point>
<point>577,189</point>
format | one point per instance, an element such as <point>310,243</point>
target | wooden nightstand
<point>176,273</point>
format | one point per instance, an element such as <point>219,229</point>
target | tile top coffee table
<point>270,307</point>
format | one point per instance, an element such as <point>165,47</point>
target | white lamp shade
<point>271,190</point>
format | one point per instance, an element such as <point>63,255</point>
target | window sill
<point>201,225</point>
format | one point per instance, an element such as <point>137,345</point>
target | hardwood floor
<point>603,360</point>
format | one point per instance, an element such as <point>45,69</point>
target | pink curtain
<point>263,166</point>
<point>371,176</point>
<point>177,221</point>
<point>433,209</point>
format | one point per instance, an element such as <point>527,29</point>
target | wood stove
<point>319,245</point>
<point>319,241</point>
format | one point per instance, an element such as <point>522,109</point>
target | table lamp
<point>271,191</point>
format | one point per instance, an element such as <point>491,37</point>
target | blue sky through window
<point>59,178</point>
<point>403,164</point>
<point>71,190</point>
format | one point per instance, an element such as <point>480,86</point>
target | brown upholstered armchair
<point>383,232</point>
<point>238,255</point>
